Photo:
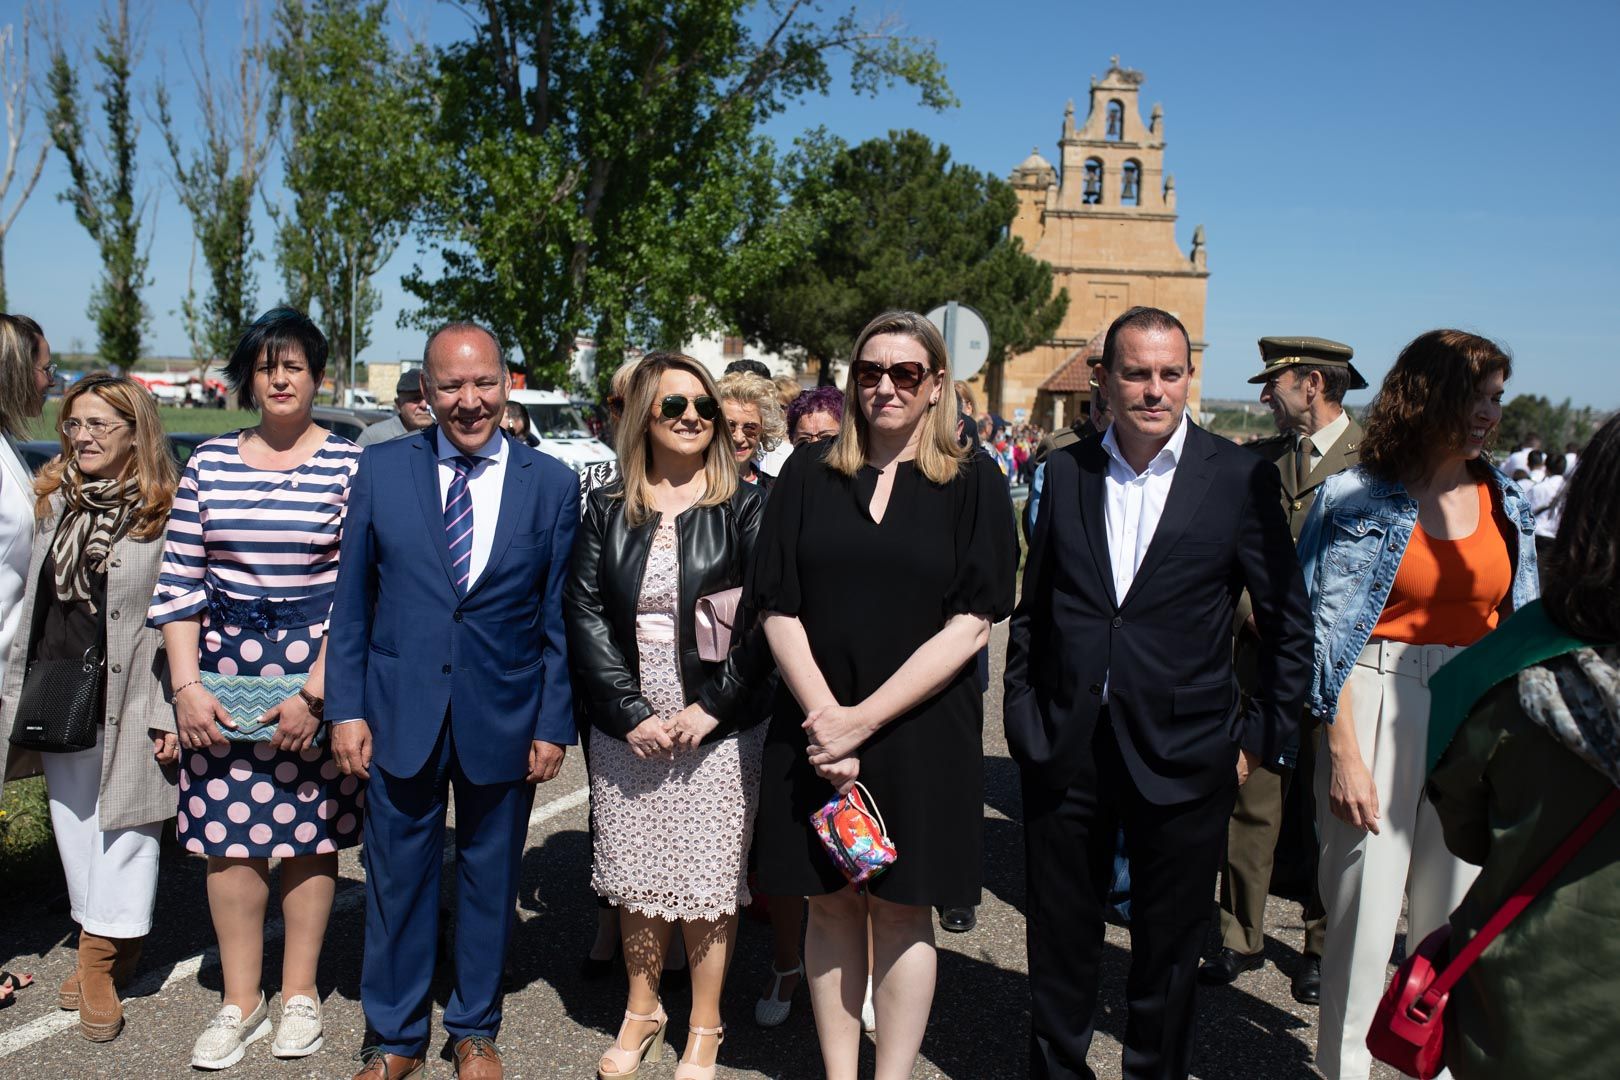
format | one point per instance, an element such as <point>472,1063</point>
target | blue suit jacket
<point>404,648</point>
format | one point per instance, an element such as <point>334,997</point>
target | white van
<point>561,429</point>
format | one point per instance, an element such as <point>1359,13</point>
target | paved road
<point>556,1025</point>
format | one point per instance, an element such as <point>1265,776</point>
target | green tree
<point>603,171</point>
<point>216,183</point>
<point>903,227</point>
<point>103,195</point>
<point>351,109</point>
<point>1558,425</point>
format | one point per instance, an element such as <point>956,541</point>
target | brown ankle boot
<point>101,1017</point>
<point>129,955</point>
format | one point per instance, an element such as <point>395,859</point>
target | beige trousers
<point>1364,877</point>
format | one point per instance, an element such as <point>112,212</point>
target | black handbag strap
<point>36,621</point>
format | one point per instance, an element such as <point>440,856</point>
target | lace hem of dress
<point>670,909</point>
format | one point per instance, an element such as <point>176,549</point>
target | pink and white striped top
<point>253,534</point>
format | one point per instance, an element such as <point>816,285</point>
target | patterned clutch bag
<point>853,833</point>
<point>248,697</point>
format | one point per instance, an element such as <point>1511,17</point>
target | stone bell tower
<point>1105,219</point>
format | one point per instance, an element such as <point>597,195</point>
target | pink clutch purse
<point>715,617</point>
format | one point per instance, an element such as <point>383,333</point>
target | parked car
<point>38,452</point>
<point>562,429</point>
<point>348,423</point>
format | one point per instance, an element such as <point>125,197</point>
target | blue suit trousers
<point>405,819</point>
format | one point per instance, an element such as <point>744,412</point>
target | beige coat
<point>135,790</point>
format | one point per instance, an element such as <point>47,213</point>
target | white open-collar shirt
<point>1134,502</point>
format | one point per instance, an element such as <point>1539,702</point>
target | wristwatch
<point>316,705</point>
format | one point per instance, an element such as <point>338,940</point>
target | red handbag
<point>1408,1031</point>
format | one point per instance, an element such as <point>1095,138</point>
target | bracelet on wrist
<point>174,697</point>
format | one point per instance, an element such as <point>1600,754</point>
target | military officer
<point>1303,382</point>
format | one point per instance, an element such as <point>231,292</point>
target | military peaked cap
<point>1280,353</point>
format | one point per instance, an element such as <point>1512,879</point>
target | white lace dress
<point>672,836</point>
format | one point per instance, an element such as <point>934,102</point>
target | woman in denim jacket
<point>1409,557</point>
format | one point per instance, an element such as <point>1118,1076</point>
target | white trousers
<point>111,876</point>
<point>1365,876</point>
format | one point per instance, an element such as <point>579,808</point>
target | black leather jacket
<point>604,583</point>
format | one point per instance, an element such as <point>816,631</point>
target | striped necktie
<point>458,521</point>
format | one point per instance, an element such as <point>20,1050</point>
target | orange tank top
<point>1446,592</point>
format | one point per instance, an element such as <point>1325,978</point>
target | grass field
<point>27,856</point>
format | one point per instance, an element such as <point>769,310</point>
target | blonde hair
<point>787,388</point>
<point>20,339</point>
<point>760,393</point>
<point>152,464</point>
<point>965,399</point>
<point>619,384</point>
<point>939,454</point>
<point>635,452</point>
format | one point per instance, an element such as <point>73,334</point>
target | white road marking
<point>353,897</point>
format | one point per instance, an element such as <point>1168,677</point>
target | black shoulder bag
<point>61,702</point>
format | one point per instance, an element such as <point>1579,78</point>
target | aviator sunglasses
<point>905,376</point>
<point>674,407</point>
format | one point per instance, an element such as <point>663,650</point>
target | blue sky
<point>1364,172</point>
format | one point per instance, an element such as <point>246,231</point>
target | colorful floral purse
<point>852,830</point>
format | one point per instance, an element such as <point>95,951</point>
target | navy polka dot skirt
<point>249,800</point>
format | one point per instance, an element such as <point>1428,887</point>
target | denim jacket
<point>1350,547</point>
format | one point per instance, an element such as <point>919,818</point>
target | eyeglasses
<point>814,436</point>
<point>674,407</point>
<point>749,431</point>
<point>95,427</point>
<point>50,370</point>
<point>905,376</point>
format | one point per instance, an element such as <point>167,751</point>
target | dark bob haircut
<point>1425,404</point>
<point>827,399</point>
<point>1582,591</point>
<point>272,336</point>
<point>1141,318</point>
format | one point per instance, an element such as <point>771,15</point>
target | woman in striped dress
<point>249,564</point>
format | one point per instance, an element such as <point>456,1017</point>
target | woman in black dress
<point>883,559</point>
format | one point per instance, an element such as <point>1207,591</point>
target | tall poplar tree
<point>103,193</point>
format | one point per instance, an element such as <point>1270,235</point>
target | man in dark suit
<point>449,668</point>
<point>1303,381</point>
<point>1121,706</point>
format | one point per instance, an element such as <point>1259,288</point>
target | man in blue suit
<point>448,667</point>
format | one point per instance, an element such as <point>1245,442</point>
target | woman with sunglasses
<point>754,423</point>
<point>100,512</point>
<point>674,750</point>
<point>885,556</point>
<point>815,415</point>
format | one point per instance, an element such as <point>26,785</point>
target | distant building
<point>1106,222</point>
<point>715,351</point>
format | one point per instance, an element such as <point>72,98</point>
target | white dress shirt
<point>484,485</point>
<point>1134,502</point>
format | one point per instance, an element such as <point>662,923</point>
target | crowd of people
<point>770,611</point>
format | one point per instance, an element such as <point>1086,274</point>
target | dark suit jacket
<point>403,645</point>
<point>1165,648</point>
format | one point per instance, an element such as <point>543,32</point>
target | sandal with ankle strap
<point>628,1062</point>
<point>688,1070</point>
<point>769,1011</point>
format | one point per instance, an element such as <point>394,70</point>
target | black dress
<point>869,595</point>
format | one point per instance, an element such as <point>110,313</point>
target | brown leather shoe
<point>380,1065</point>
<point>123,972</point>
<point>101,1016</point>
<point>477,1059</point>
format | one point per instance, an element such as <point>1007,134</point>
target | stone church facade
<point>1105,219</point>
